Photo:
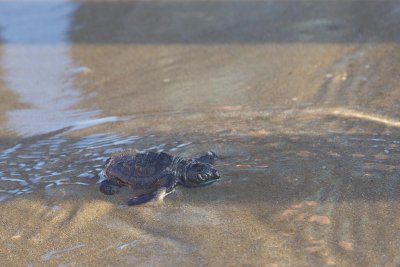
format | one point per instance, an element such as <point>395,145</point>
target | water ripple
<point>59,161</point>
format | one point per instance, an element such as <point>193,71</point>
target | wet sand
<point>298,99</point>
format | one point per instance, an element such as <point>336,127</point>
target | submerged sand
<point>298,99</point>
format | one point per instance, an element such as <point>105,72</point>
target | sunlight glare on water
<point>46,164</point>
<point>38,67</point>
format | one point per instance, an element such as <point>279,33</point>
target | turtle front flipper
<point>207,158</point>
<point>162,187</point>
<point>142,198</point>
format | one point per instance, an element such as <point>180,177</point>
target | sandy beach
<point>299,99</point>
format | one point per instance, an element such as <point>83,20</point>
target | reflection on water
<point>38,67</point>
<point>48,163</point>
<point>55,254</point>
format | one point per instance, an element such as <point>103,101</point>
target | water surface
<point>41,75</point>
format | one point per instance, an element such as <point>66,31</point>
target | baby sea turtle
<point>153,175</point>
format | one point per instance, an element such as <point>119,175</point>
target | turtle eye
<point>107,161</point>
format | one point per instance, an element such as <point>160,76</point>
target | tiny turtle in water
<point>156,174</point>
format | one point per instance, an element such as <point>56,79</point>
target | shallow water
<point>315,196</point>
<point>302,112</point>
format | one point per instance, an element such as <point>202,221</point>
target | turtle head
<point>198,174</point>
